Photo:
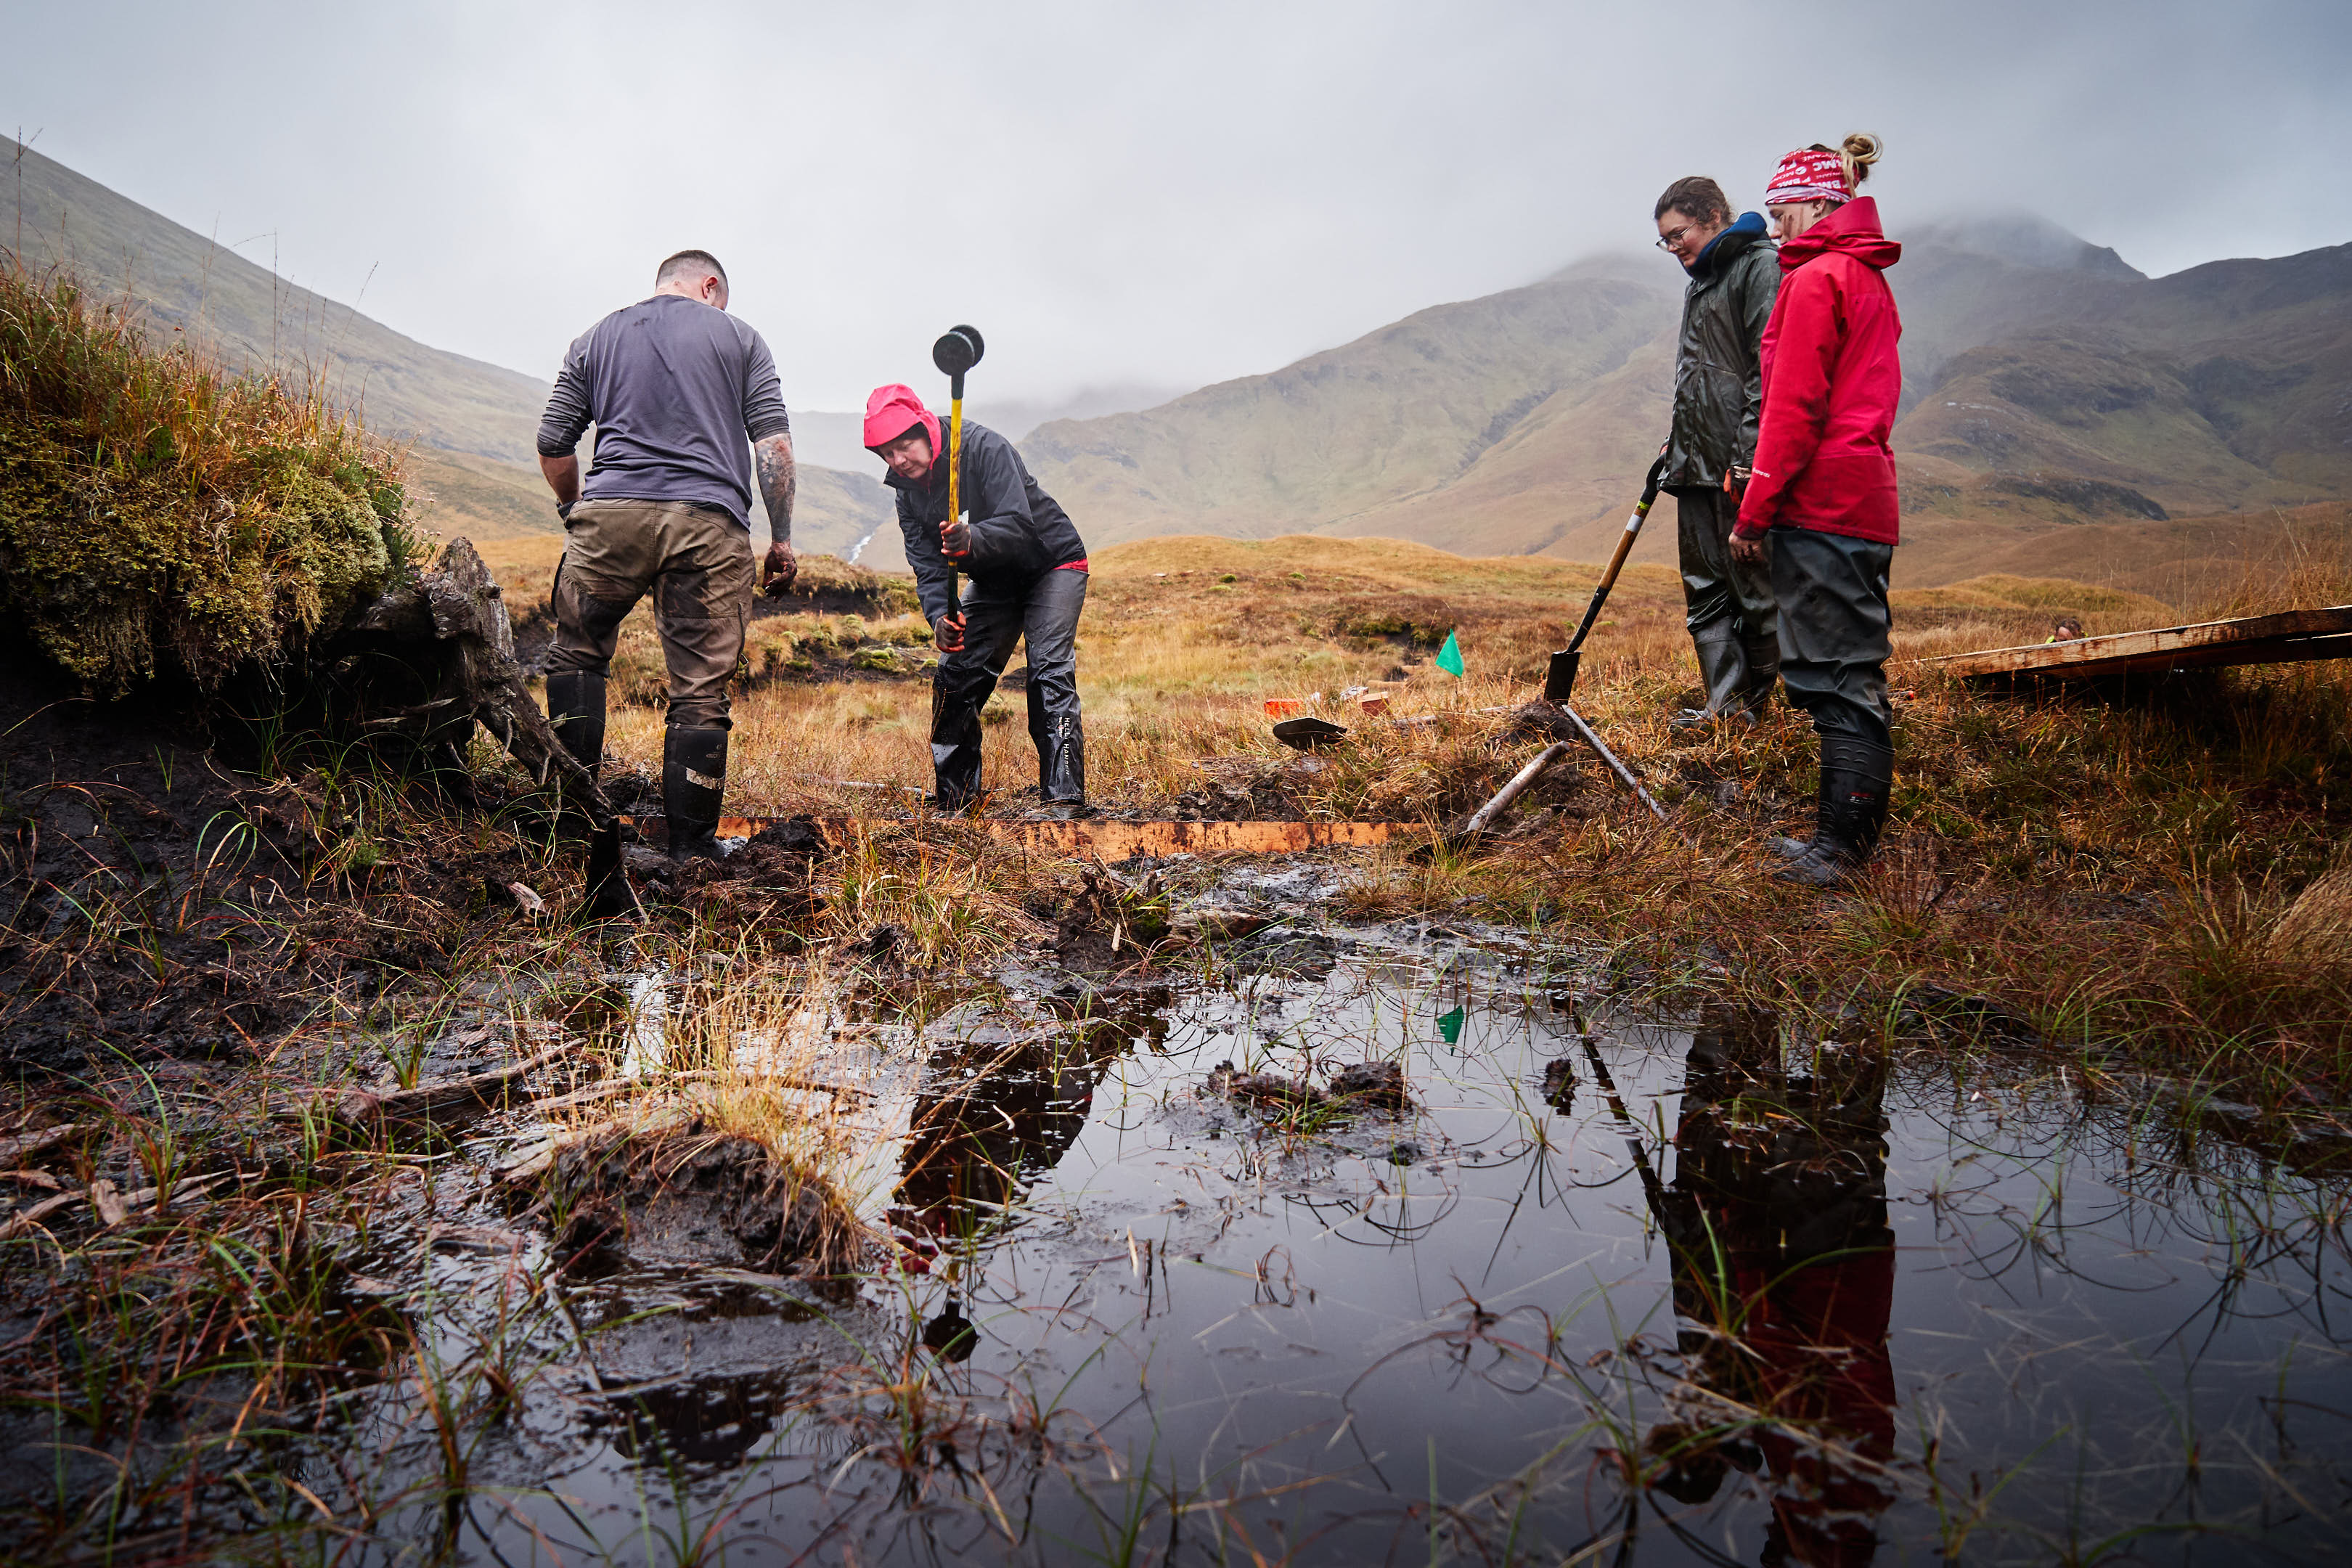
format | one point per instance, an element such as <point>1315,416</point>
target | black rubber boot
<point>1856,780</point>
<point>610,895</point>
<point>575,707</point>
<point>956,742</point>
<point>1723,669</point>
<point>694,775</point>
<point>1798,848</point>
<point>1762,657</point>
<point>955,775</point>
<point>1062,766</point>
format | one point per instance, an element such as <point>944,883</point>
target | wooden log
<point>2290,636</point>
<point>458,610</point>
<point>112,1207</point>
<point>1484,817</point>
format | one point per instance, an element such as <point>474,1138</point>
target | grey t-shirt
<point>678,391</point>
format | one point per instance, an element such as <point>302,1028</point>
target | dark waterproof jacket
<point>1017,529</point>
<point>1719,373</point>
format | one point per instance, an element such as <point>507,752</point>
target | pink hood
<point>892,412</point>
<point>1849,230</point>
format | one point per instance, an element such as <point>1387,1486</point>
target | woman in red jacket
<point>1823,490</point>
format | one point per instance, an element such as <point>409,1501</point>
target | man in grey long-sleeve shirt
<point>686,401</point>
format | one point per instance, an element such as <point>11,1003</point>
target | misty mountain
<point>837,440</point>
<point>473,424</point>
<point>2047,384</point>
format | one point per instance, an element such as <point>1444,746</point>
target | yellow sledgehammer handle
<point>955,454</point>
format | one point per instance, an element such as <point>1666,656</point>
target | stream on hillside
<point>1620,1285</point>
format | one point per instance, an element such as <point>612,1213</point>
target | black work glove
<point>563,510</point>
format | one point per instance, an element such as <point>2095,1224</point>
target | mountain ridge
<point>452,407</point>
<point>2049,383</point>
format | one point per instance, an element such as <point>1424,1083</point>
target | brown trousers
<point>697,563</point>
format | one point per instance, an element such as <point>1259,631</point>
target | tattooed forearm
<point>779,482</point>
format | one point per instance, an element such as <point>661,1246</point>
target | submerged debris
<point>1364,1085</point>
<point>1560,1084</point>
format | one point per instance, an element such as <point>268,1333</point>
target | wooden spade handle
<point>1625,548</point>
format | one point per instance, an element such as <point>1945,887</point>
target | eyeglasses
<point>1674,237</point>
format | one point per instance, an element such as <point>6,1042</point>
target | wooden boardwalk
<point>2254,639</point>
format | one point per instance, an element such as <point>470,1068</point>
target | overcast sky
<point>1170,193</point>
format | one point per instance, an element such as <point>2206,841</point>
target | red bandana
<point>1807,175</point>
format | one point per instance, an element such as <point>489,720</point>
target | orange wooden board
<point>1108,838</point>
<point>2283,638</point>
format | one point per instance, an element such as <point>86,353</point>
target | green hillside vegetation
<point>472,426</point>
<point>2062,412</point>
<point>157,514</point>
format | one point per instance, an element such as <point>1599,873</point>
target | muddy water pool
<point>1716,1290</point>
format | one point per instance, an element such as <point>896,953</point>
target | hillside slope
<point>474,424</point>
<point>2048,385</point>
<point>1327,443</point>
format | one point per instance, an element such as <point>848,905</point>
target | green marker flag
<point>1449,1026</point>
<point>1449,658</point>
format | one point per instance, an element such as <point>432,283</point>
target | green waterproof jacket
<point>1718,380</point>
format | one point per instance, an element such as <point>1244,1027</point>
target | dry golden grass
<point>1185,638</point>
<point>2155,865</point>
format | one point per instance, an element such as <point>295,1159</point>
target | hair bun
<point>1859,151</point>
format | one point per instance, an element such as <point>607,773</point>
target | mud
<point>692,1195</point>
<point>1375,1085</point>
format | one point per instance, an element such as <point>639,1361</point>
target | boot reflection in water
<point>996,1110</point>
<point>1784,1278</point>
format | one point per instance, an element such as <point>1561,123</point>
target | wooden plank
<point>1108,838</point>
<point>2286,637</point>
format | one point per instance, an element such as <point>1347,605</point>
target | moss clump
<point>155,512</point>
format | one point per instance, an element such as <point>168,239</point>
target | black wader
<point>1835,641</point>
<point>1045,615</point>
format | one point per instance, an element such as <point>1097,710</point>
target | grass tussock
<point>158,513</point>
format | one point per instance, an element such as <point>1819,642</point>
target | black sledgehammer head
<point>958,349</point>
<point>1559,677</point>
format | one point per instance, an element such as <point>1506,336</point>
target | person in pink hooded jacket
<point>1025,581</point>
<point>1820,503</point>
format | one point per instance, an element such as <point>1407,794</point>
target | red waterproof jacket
<point>1832,376</point>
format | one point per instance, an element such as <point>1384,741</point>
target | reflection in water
<point>1145,1327</point>
<point>949,1334</point>
<point>1784,1280</point>
<point>999,1107</point>
<point>707,1422</point>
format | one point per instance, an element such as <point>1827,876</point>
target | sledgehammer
<point>1559,679</point>
<point>958,349</point>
